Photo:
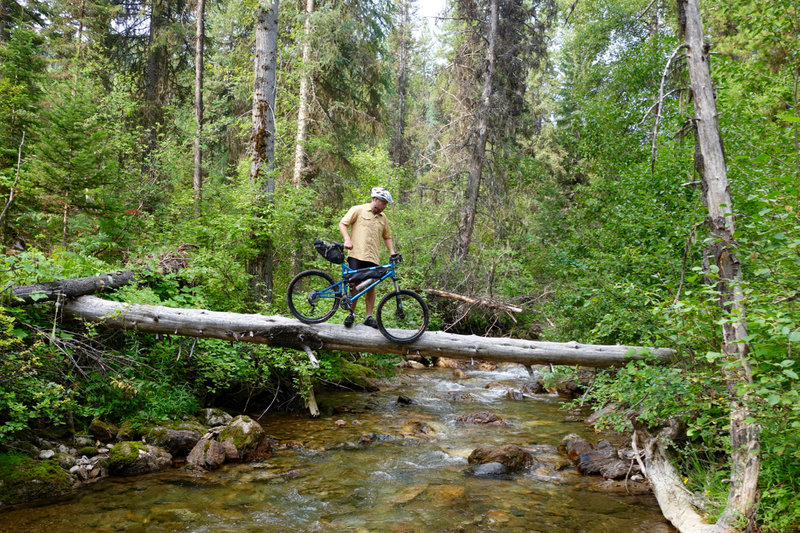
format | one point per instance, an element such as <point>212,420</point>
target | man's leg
<point>369,303</point>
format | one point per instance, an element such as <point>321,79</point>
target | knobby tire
<point>298,297</point>
<point>406,328</point>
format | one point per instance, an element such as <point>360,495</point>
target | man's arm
<point>388,242</point>
<point>348,244</point>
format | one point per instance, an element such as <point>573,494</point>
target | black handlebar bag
<point>329,251</point>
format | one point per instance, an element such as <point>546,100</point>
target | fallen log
<point>481,302</point>
<point>67,288</point>
<point>290,333</point>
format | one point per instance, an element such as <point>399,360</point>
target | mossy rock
<point>102,431</point>
<point>358,375</point>
<point>124,454</point>
<point>24,479</point>
<point>127,432</point>
<point>245,433</point>
<point>88,451</point>
<point>134,458</point>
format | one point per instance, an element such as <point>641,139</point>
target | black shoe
<point>369,321</point>
<point>348,321</point>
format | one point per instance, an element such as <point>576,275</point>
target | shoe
<point>348,321</point>
<point>369,321</point>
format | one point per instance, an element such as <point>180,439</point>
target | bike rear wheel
<point>402,316</point>
<point>311,296</point>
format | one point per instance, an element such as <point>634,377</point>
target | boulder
<point>481,418</point>
<point>574,447</point>
<point>533,387</point>
<point>102,431</point>
<point>131,458</point>
<point>207,453</point>
<point>511,456</point>
<point>242,439</point>
<point>213,417</point>
<point>23,478</point>
<point>178,439</point>
<point>605,461</point>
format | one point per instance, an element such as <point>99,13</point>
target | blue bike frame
<point>339,289</point>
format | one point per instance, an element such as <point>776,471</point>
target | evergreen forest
<point>542,154</point>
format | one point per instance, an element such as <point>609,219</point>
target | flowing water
<point>410,477</point>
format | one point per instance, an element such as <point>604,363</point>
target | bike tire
<point>407,326</point>
<point>301,303</point>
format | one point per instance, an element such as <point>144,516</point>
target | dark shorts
<point>357,264</point>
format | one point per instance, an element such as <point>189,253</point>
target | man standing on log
<point>368,227</point>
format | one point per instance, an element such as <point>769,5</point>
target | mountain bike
<point>314,296</point>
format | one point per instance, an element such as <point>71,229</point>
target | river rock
<point>131,458</point>
<point>446,362</point>
<point>102,431</point>
<point>481,418</point>
<point>605,460</point>
<point>574,447</point>
<point>207,453</point>
<point>459,374</point>
<point>242,439</point>
<point>178,439</point>
<point>214,417</point>
<point>511,456</point>
<point>532,388</point>
<point>514,395</point>
<point>46,454</point>
<point>459,396</point>
<point>489,470</point>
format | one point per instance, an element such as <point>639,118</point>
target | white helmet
<point>382,194</point>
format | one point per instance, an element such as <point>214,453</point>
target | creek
<point>411,477</point>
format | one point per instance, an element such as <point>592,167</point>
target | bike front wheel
<point>312,297</point>
<point>402,316</point>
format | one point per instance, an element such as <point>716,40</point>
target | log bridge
<point>286,332</point>
<point>75,297</point>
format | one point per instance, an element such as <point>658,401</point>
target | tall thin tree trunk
<point>197,180</point>
<point>399,150</point>
<point>479,135</point>
<point>263,147</point>
<point>302,108</point>
<point>710,163</point>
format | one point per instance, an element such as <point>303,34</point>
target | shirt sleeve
<point>349,217</point>
<point>386,234</point>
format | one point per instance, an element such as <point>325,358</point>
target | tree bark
<point>399,148</point>
<point>710,163</point>
<point>68,288</point>
<point>197,179</point>
<point>263,141</point>
<point>289,333</point>
<point>479,135</point>
<point>302,106</point>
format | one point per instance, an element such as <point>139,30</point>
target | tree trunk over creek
<point>290,333</point>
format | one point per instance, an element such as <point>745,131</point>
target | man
<point>368,227</point>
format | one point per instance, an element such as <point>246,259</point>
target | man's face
<point>378,205</point>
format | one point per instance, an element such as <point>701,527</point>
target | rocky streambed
<point>444,449</point>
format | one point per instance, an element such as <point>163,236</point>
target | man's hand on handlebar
<point>396,258</point>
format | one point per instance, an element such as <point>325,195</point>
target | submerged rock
<point>510,456</point>
<point>489,470</point>
<point>481,418</point>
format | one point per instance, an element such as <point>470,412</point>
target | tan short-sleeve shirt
<point>367,231</point>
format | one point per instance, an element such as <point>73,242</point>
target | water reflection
<point>389,467</point>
